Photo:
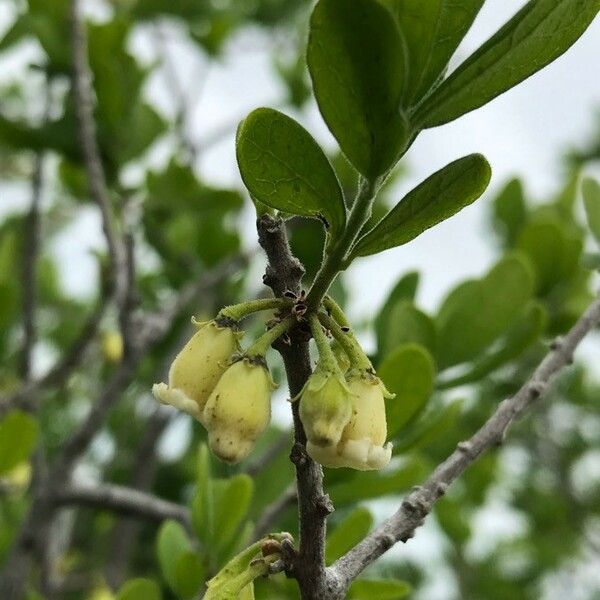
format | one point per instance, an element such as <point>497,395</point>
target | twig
<point>418,504</point>
<point>284,272</point>
<point>273,511</point>
<point>122,500</point>
<point>84,111</point>
<point>31,246</point>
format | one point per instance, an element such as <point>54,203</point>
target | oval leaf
<point>408,372</point>
<point>438,198</point>
<point>537,35</point>
<point>432,30</point>
<point>283,167</point>
<point>171,544</point>
<point>139,589</point>
<point>476,313</point>
<point>357,65</point>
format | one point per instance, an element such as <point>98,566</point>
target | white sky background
<point>524,132</point>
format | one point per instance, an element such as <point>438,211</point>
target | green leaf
<point>408,372</point>
<point>510,210</point>
<point>203,502</point>
<point>525,332</point>
<point>537,35</point>
<point>139,589</point>
<point>348,533</point>
<point>190,574</point>
<point>553,248</point>
<point>432,31</point>
<point>232,498</point>
<point>407,324</point>
<point>405,289</point>
<point>283,167</point>
<point>591,199</point>
<point>18,435</point>
<point>356,61</point>
<point>171,544</point>
<point>436,422</point>
<point>382,589</point>
<point>438,198</point>
<point>476,313</point>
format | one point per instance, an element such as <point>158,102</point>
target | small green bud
<point>238,409</point>
<point>362,443</point>
<point>198,367</point>
<point>325,407</point>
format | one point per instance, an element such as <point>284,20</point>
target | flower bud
<point>362,443</point>
<point>238,409</point>
<point>197,368</point>
<point>325,407</point>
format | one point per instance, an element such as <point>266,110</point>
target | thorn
<point>408,536</point>
<point>289,294</point>
<point>345,329</point>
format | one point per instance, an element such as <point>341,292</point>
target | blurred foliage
<point>449,368</point>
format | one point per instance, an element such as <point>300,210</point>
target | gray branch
<point>274,511</point>
<point>418,504</point>
<point>123,500</point>
<point>84,111</point>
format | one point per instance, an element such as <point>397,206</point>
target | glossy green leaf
<point>18,436</point>
<point>476,313</point>
<point>409,373</point>
<point>348,533</point>
<point>525,332</point>
<point>537,35</point>
<point>357,65</point>
<point>591,199</point>
<point>139,589</point>
<point>171,544</point>
<point>436,199</point>
<point>283,167</point>
<point>382,589</point>
<point>432,31</point>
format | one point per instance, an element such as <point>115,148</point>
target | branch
<point>123,500</point>
<point>31,246</point>
<point>284,272</point>
<point>419,503</point>
<point>84,111</point>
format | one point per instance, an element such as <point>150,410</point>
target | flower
<point>325,407</point>
<point>238,409</point>
<point>112,346</point>
<point>362,443</point>
<point>198,367</point>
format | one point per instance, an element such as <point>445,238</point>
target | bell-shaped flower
<point>325,407</point>
<point>198,367</point>
<point>238,409</point>
<point>362,443</point>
